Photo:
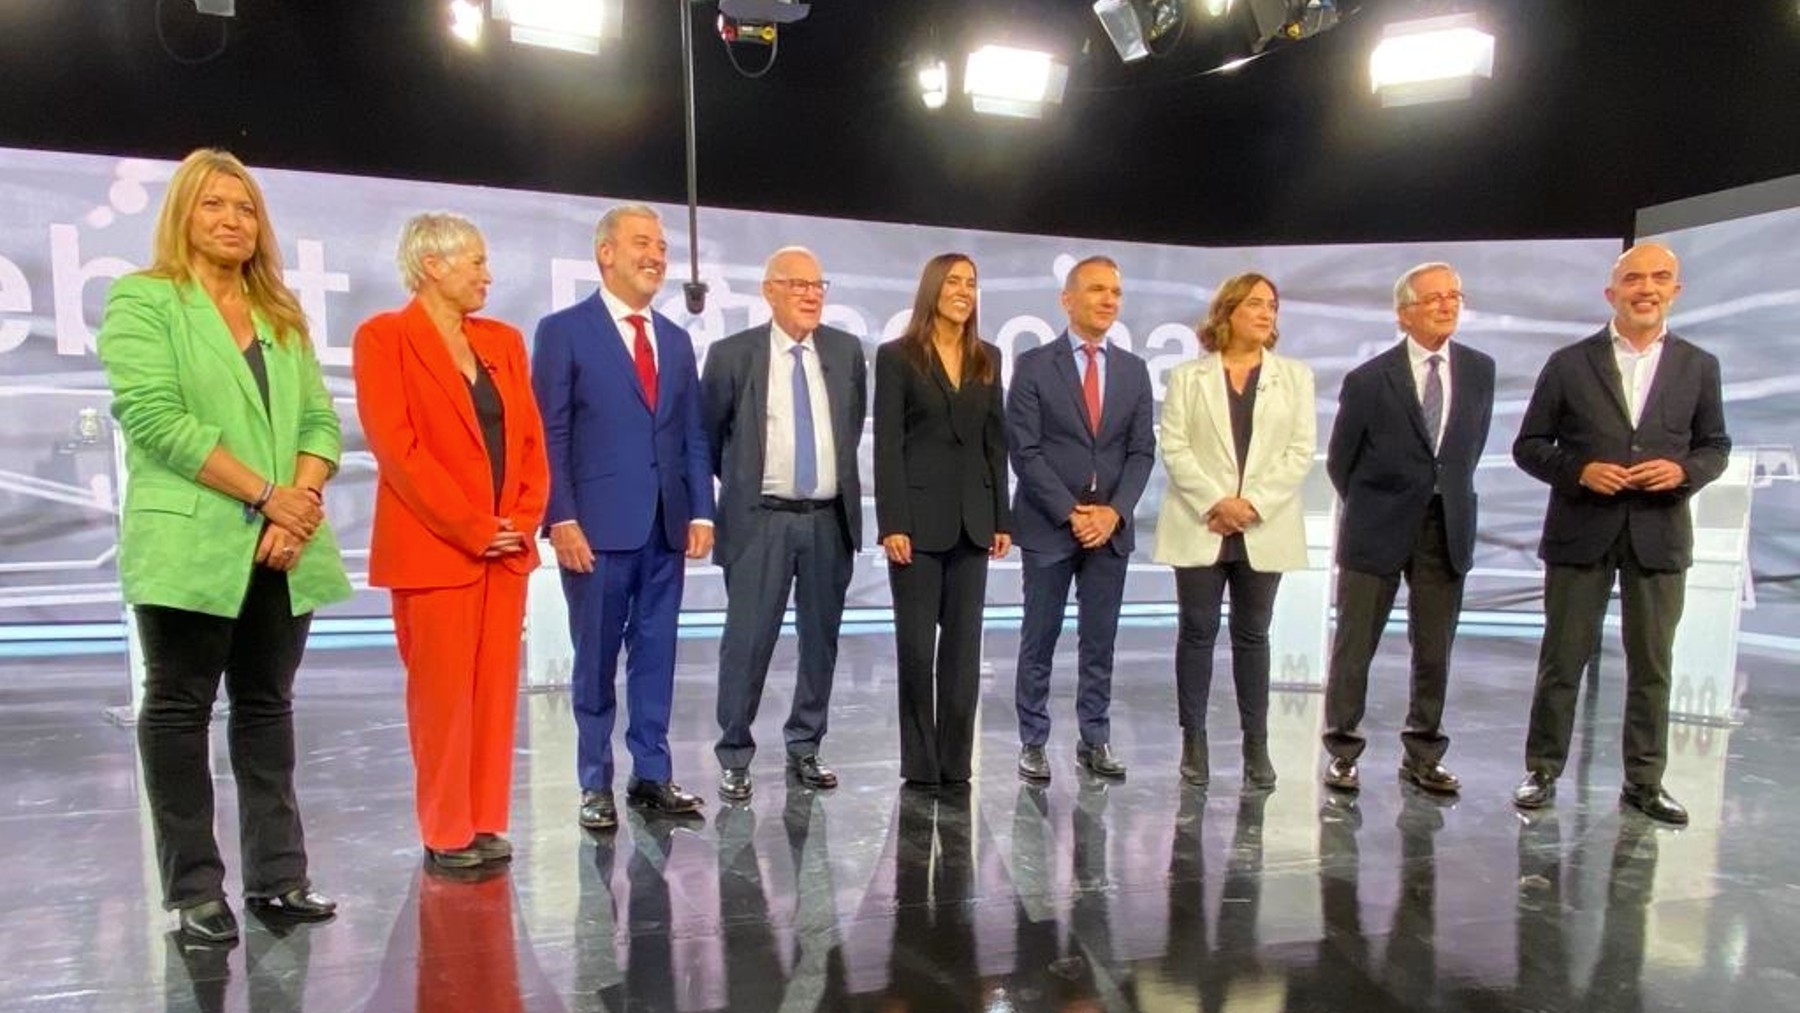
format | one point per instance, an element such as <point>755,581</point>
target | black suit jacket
<point>735,388</point>
<point>940,453</point>
<point>1381,462</point>
<point>1578,415</point>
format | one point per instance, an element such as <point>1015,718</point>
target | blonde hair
<point>1215,330</point>
<point>432,234</point>
<point>269,295</point>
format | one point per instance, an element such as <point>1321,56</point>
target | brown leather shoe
<point>1535,790</point>
<point>1430,776</point>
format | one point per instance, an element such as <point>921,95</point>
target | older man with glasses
<point>785,404</point>
<point>1410,429</point>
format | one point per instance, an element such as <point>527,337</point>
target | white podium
<point>1708,686</point>
<point>1300,632</point>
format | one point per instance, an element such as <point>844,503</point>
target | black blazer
<point>1381,462</point>
<point>1578,415</point>
<point>940,453</point>
<point>737,411</point>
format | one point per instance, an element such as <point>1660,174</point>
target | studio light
<point>1134,26</point>
<point>1275,22</point>
<point>217,8</point>
<point>1216,8</point>
<point>465,21</point>
<point>1008,81</point>
<point>1430,60</point>
<point>574,25</point>
<point>934,83</point>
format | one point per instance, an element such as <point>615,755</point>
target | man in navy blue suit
<point>1410,429</point>
<point>630,494</point>
<point>1080,431</point>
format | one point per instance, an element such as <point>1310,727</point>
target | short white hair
<point>1403,289</point>
<point>432,234</point>
<point>610,220</point>
<point>787,251</point>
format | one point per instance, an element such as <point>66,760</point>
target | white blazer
<point>1194,437</point>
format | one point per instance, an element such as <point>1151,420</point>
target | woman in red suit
<point>447,410</point>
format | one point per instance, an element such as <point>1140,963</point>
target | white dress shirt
<point>1416,354</point>
<point>621,314</point>
<point>778,431</point>
<point>1636,369</point>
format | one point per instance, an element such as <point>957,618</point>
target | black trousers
<point>938,600</point>
<point>1575,597</point>
<point>1434,594</point>
<point>805,553</point>
<point>1199,593</point>
<point>185,653</point>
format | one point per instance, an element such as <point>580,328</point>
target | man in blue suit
<point>1410,429</point>
<point>630,493</point>
<point>1080,431</point>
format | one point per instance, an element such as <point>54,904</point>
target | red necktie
<point>645,358</point>
<point>1090,387</point>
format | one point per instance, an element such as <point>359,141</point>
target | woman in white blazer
<point>1237,438</point>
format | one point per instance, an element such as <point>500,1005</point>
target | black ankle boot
<point>1193,759</point>
<point>1259,773</point>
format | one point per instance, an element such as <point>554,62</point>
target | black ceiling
<point>1597,107</point>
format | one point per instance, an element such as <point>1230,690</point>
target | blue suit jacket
<point>1381,462</point>
<point>612,461</point>
<point>1056,453</point>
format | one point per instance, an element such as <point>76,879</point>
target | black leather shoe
<point>301,904</point>
<point>493,848</point>
<point>209,922</point>
<point>735,784</point>
<point>1194,767</point>
<point>1654,802</point>
<point>1099,759</point>
<point>1535,790</point>
<point>1033,764</point>
<point>812,773</point>
<point>663,796</point>
<point>1341,774</point>
<point>1259,770</point>
<point>598,811</point>
<point>1431,776</point>
<point>455,858</point>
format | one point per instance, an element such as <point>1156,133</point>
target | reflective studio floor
<point>1078,896</point>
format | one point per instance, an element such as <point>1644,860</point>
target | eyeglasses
<point>801,286</point>
<point>1436,299</point>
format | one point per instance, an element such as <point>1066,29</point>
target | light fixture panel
<point>573,25</point>
<point>1009,81</point>
<point>1430,60</point>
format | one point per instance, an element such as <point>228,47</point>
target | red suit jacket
<point>434,504</point>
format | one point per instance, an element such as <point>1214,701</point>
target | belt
<point>795,506</point>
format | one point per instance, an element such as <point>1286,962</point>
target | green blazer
<point>180,388</point>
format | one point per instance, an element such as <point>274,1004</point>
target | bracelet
<point>251,510</point>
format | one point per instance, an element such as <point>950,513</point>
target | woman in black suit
<point>941,502</point>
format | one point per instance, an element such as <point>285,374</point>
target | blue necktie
<point>806,460</point>
<point>1433,402</point>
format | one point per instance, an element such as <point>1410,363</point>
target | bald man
<point>1624,427</point>
<point>785,404</point>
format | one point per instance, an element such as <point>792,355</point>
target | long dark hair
<point>916,339</point>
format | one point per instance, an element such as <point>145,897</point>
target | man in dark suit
<point>1410,429</point>
<point>1624,427</point>
<point>785,404</point>
<point>630,494</point>
<point>1082,439</point>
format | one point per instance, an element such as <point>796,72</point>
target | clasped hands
<point>292,514</point>
<point>1659,475</point>
<point>1231,516</point>
<point>1093,524</point>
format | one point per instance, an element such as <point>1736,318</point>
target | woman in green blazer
<point>230,436</point>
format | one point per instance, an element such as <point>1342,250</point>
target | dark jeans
<point>184,654</point>
<point>1434,594</point>
<point>1199,591</point>
<point>1575,597</point>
